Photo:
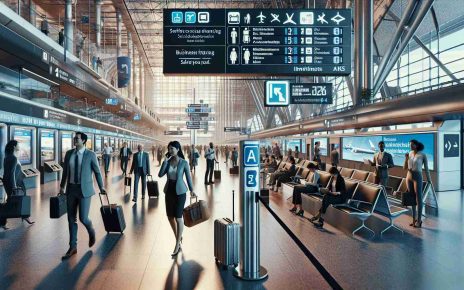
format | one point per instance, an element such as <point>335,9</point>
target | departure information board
<point>257,41</point>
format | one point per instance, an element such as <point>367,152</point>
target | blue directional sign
<point>251,156</point>
<point>251,178</point>
<point>190,17</point>
<point>277,93</point>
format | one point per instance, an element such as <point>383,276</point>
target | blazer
<point>121,152</point>
<point>12,171</point>
<point>145,163</point>
<point>386,162</point>
<point>89,165</point>
<point>340,187</point>
<point>182,168</point>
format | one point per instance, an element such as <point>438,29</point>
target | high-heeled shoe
<point>293,209</point>
<point>313,219</point>
<point>300,213</point>
<point>176,252</point>
<point>413,223</point>
<point>418,224</point>
<point>28,221</point>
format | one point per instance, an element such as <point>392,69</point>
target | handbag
<point>196,212</point>
<point>18,204</point>
<point>408,199</point>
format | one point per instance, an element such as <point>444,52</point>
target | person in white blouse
<point>414,162</point>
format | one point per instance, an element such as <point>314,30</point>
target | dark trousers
<point>124,161</point>
<point>299,189</point>
<point>139,174</point>
<point>106,159</point>
<point>330,199</point>
<point>209,170</point>
<point>76,200</point>
<point>414,182</point>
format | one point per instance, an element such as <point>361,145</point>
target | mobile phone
<point>167,155</point>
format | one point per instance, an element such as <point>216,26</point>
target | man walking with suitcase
<point>124,155</point>
<point>77,184</point>
<point>210,157</point>
<point>141,166</point>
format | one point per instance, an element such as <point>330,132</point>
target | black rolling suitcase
<point>128,182</point>
<point>217,172</point>
<point>233,170</point>
<point>152,187</point>
<point>113,216</point>
<point>58,206</point>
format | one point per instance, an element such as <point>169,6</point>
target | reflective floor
<point>30,256</point>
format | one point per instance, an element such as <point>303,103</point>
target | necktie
<point>140,159</point>
<point>76,169</point>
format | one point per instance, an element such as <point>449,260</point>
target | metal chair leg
<point>363,226</point>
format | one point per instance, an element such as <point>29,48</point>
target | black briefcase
<point>217,172</point>
<point>16,207</point>
<point>408,199</point>
<point>58,206</point>
<point>113,216</point>
<point>233,170</point>
<point>128,182</point>
<point>152,187</point>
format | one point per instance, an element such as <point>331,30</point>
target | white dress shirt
<point>107,150</point>
<point>124,152</point>
<point>210,154</point>
<point>80,155</point>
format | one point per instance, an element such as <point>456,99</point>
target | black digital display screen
<point>257,41</point>
<point>311,93</point>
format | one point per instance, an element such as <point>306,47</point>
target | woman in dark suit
<point>12,175</point>
<point>175,167</point>
<point>335,194</point>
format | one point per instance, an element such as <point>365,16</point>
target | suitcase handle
<point>193,197</point>
<point>107,199</point>
<point>233,205</point>
<point>150,176</point>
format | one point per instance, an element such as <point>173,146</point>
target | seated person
<point>308,188</point>
<point>285,175</point>
<point>271,166</point>
<point>265,161</point>
<point>335,193</point>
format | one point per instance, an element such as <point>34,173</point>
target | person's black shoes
<point>319,224</point>
<point>134,199</point>
<point>293,210</point>
<point>300,213</point>
<point>71,252</point>
<point>91,239</point>
<point>143,197</point>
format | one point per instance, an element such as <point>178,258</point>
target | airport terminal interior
<point>231,144</point>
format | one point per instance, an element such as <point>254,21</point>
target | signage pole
<point>250,268</point>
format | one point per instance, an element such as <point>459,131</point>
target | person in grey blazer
<point>77,184</point>
<point>13,176</point>
<point>124,155</point>
<point>382,161</point>
<point>175,167</point>
<point>141,166</point>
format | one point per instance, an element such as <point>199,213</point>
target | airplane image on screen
<point>361,150</point>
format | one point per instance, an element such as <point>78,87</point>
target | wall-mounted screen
<point>364,147</point>
<point>24,137</point>
<point>47,145</point>
<point>323,145</point>
<point>66,143</point>
<point>89,143</point>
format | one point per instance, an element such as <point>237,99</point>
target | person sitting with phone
<point>335,193</point>
<point>308,188</point>
<point>284,172</point>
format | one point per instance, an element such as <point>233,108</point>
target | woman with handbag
<point>13,175</point>
<point>175,167</point>
<point>414,162</point>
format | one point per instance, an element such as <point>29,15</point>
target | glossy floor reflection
<point>140,258</point>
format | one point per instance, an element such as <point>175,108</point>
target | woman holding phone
<point>175,167</point>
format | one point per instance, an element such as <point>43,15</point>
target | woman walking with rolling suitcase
<point>175,167</point>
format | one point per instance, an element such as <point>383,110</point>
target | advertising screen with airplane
<point>24,138</point>
<point>323,145</point>
<point>364,147</point>
<point>47,145</point>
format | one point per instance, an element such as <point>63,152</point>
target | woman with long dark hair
<point>12,175</point>
<point>414,162</point>
<point>175,167</point>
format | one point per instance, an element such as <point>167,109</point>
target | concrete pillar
<point>368,24</point>
<point>129,54</point>
<point>68,27</point>
<point>98,27</point>
<point>134,63</point>
<point>358,51</point>
<point>140,75</point>
<point>119,32</point>
<point>32,13</point>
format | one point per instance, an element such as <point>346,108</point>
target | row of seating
<point>367,198</point>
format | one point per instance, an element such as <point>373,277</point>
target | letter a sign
<point>251,156</point>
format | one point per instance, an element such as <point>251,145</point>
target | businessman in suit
<point>141,167</point>
<point>77,184</point>
<point>382,161</point>
<point>124,154</point>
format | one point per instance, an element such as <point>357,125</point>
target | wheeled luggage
<point>217,172</point>
<point>233,170</point>
<point>113,216</point>
<point>152,187</point>
<point>227,240</point>
<point>58,206</point>
<point>196,212</point>
<point>128,182</point>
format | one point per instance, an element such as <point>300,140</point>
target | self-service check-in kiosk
<point>250,268</point>
<point>48,159</point>
<point>27,139</point>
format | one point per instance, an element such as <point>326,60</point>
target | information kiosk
<point>27,139</point>
<point>48,159</point>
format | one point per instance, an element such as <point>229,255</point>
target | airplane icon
<point>275,17</point>
<point>289,19</point>
<point>362,150</point>
<point>321,19</point>
<point>261,17</point>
